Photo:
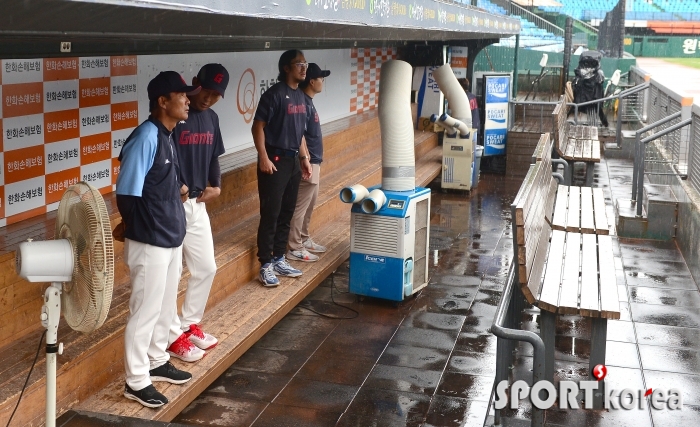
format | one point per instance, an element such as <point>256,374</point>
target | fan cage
<point>83,219</point>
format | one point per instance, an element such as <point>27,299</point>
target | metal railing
<point>640,158</point>
<point>664,102</point>
<point>538,110</point>
<point>694,151</point>
<point>637,76</point>
<point>506,327</point>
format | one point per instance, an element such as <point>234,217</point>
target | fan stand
<point>50,316</point>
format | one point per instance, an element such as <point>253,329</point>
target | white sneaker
<point>267,275</point>
<point>200,338</point>
<point>312,246</point>
<point>302,255</point>
<point>184,350</point>
<point>283,268</point>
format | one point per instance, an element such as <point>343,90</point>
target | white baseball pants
<point>155,273</point>
<point>198,251</point>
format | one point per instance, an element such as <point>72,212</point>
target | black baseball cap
<point>214,77</point>
<point>314,72</point>
<point>169,81</point>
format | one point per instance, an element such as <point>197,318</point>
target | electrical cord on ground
<point>28,375</point>
<point>334,302</point>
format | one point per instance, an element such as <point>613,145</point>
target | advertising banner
<point>459,60</point>
<point>64,120</point>
<point>429,98</point>
<point>496,96</point>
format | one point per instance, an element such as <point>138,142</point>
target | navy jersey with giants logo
<point>314,140</point>
<point>284,111</point>
<point>199,143</point>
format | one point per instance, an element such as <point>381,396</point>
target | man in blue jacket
<point>149,198</point>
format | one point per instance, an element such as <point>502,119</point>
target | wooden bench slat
<point>587,146</point>
<point>578,154</point>
<point>595,149</point>
<point>523,193</point>
<point>543,148</point>
<point>590,305</point>
<point>532,290</point>
<point>549,204</point>
<point>573,216</point>
<point>609,302</point>
<point>534,216</point>
<point>601,218</point>
<point>568,296</point>
<point>587,214</point>
<point>531,226</point>
<point>549,297</point>
<point>560,208</point>
<point>570,149</point>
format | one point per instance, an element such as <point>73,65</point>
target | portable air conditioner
<point>389,248</point>
<point>458,160</point>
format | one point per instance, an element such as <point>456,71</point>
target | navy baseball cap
<point>314,72</point>
<point>169,81</point>
<point>214,77</point>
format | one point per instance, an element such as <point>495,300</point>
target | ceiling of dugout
<point>152,26</point>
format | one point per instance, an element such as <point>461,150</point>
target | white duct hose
<point>435,119</point>
<point>396,124</point>
<point>374,201</point>
<point>456,97</point>
<point>354,194</point>
<point>456,124</point>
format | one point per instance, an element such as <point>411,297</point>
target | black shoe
<point>149,396</point>
<point>168,372</point>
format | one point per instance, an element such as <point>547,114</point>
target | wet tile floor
<point>430,361</point>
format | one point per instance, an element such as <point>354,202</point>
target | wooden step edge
<point>235,343</point>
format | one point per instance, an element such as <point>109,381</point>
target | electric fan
<point>80,266</point>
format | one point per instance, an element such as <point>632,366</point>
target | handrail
<point>499,329</point>
<point>624,94</point>
<point>514,103</point>
<point>585,24</point>
<point>598,102</point>
<point>640,153</point>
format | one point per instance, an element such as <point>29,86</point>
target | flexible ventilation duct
<point>449,129</point>
<point>374,201</point>
<point>456,124</point>
<point>396,124</point>
<point>354,194</point>
<point>456,97</point>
